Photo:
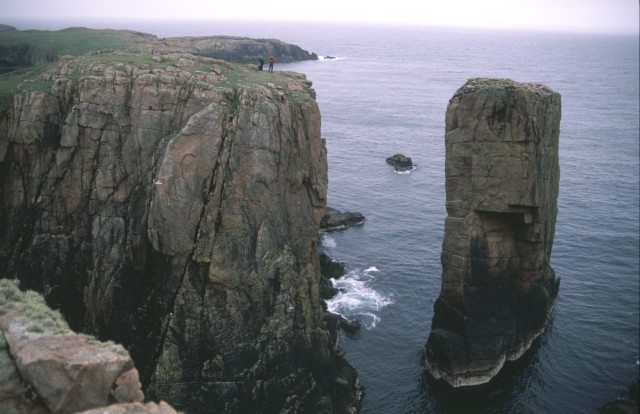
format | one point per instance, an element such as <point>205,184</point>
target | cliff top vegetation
<point>207,72</point>
<point>28,57</point>
<point>72,41</point>
<point>31,307</point>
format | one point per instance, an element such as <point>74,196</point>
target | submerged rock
<point>400,162</point>
<point>336,220</point>
<point>627,404</point>
<point>502,176</point>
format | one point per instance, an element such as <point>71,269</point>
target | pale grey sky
<point>613,16</point>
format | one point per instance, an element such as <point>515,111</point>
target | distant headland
<point>23,48</point>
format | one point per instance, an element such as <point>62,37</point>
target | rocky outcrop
<point>337,220</point>
<point>400,162</point>
<point>172,205</point>
<point>47,368</point>
<point>502,177</point>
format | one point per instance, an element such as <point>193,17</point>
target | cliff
<point>502,176</point>
<point>172,204</point>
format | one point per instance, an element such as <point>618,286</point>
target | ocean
<point>386,92</point>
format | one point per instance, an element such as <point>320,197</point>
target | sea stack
<point>502,176</point>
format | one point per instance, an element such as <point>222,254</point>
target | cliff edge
<point>502,177</point>
<point>47,368</point>
<point>172,204</point>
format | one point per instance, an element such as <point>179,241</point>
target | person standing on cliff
<point>260,64</point>
<point>271,62</point>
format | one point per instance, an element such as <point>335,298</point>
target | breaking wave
<point>357,300</point>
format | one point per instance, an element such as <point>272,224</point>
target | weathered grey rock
<point>173,206</point>
<point>502,176</point>
<point>400,162</point>
<point>336,220</point>
<point>66,371</point>
<point>14,392</point>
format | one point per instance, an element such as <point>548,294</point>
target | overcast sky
<point>613,16</point>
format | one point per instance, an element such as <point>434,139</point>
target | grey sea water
<point>386,92</point>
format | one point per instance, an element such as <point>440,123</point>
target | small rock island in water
<point>401,162</point>
<point>502,176</point>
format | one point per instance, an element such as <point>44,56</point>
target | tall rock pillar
<point>502,176</point>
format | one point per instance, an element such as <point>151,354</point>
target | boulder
<point>330,268</point>
<point>336,220</point>
<point>67,371</point>
<point>400,162</point>
<point>502,176</point>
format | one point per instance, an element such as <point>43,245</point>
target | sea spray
<point>357,299</point>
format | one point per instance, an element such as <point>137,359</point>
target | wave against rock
<point>502,176</point>
<point>173,205</point>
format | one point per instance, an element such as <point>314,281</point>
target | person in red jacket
<point>271,61</point>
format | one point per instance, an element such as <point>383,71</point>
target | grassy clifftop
<point>215,73</point>
<point>31,47</point>
<point>72,41</point>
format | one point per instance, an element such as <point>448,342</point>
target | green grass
<point>234,75</point>
<point>32,306</point>
<point>73,41</point>
<point>22,80</point>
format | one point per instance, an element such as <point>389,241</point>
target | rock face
<point>502,176</point>
<point>173,206</point>
<point>66,372</point>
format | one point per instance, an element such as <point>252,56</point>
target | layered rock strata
<point>173,205</point>
<point>502,176</point>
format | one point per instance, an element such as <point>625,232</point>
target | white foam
<point>327,241</point>
<point>406,171</point>
<point>357,299</point>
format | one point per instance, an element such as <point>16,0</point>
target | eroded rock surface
<point>64,372</point>
<point>502,176</point>
<point>173,205</point>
